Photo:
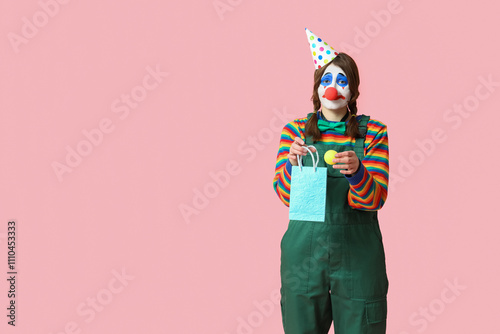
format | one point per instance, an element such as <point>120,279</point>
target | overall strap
<point>308,140</point>
<point>359,146</point>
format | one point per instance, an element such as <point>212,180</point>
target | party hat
<point>322,52</point>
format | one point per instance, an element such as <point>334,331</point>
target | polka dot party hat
<point>322,52</point>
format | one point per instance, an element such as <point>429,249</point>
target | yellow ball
<point>329,156</point>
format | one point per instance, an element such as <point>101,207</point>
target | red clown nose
<point>332,94</point>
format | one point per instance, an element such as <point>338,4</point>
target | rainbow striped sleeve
<point>282,177</point>
<point>368,187</point>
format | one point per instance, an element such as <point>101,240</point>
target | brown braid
<point>352,129</point>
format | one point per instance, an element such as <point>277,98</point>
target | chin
<point>334,104</point>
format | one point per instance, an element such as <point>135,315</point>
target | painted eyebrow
<point>332,74</point>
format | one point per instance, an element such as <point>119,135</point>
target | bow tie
<point>335,126</point>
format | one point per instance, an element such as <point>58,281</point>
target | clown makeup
<point>334,90</point>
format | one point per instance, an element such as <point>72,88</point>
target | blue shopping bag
<point>308,191</point>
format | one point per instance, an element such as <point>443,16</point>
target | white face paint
<point>334,90</point>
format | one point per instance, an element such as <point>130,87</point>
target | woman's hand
<point>298,148</point>
<point>349,162</point>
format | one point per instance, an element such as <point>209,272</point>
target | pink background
<point>230,75</point>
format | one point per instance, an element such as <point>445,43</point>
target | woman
<point>335,270</point>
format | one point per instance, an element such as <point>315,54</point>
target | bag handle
<point>315,163</point>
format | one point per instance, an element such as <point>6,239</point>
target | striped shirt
<point>367,188</point>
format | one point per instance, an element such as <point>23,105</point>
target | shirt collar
<point>320,116</point>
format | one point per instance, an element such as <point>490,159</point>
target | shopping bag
<point>308,191</point>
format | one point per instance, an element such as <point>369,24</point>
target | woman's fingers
<point>298,147</point>
<point>344,160</point>
<point>347,162</point>
<point>345,154</point>
<point>345,157</point>
<point>299,140</point>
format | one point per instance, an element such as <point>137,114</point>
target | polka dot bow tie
<point>335,126</point>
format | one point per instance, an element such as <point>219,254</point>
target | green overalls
<point>334,270</point>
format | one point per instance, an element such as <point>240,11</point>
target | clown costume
<point>335,270</point>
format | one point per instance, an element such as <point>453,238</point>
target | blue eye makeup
<point>341,80</point>
<point>326,80</point>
